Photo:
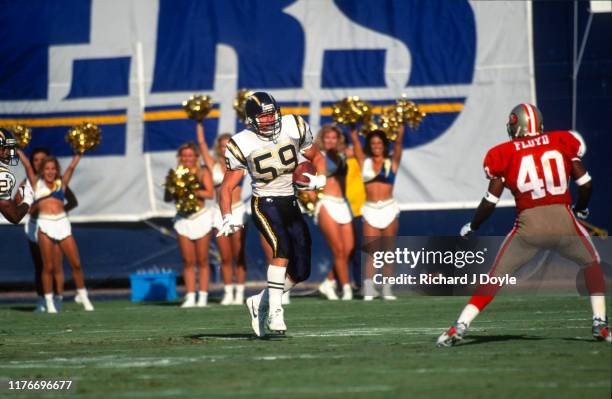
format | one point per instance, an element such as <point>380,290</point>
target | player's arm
<point>585,188</point>
<point>70,169</point>
<point>231,179</point>
<point>208,191</point>
<point>208,159</point>
<point>13,212</point>
<point>486,207</point>
<point>398,149</point>
<point>357,148</point>
<point>71,200</point>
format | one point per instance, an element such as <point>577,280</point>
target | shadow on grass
<point>23,308</point>
<point>484,339</point>
<point>236,336</point>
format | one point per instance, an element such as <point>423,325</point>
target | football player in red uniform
<point>536,167</point>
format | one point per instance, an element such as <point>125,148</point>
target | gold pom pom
<point>84,137</point>
<point>183,186</point>
<point>239,102</point>
<point>22,133</point>
<point>351,111</point>
<point>197,107</point>
<point>409,112</point>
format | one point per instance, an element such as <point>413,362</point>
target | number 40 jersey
<point>270,162</point>
<point>536,169</point>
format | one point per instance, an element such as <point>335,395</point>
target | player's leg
<point>513,253</point>
<point>389,235</point>
<point>238,244</point>
<point>371,238</point>
<point>201,246</point>
<point>46,245</point>
<point>188,253</point>
<point>69,248</point>
<point>578,247</point>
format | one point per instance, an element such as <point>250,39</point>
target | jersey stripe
<point>299,121</point>
<point>267,228</point>
<point>235,150</point>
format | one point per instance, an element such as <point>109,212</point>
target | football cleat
<point>600,330</point>
<point>328,289</point>
<point>258,313</point>
<point>453,335</point>
<point>276,321</point>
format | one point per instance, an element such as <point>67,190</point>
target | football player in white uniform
<point>269,149</point>
<point>12,211</point>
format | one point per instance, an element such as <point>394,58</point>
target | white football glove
<point>27,195</point>
<point>466,230</point>
<point>582,214</point>
<point>315,183</point>
<point>228,226</point>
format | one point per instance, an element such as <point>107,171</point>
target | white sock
<point>49,297</point>
<point>276,285</point>
<point>229,289</point>
<point>288,284</point>
<point>240,289</point>
<point>468,314</point>
<point>202,296</point>
<point>82,292</point>
<point>190,296</point>
<point>598,303</point>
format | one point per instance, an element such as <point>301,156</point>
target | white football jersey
<point>7,183</point>
<point>270,162</point>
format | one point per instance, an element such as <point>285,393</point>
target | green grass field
<point>519,348</point>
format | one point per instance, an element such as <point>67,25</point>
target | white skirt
<point>380,214</point>
<point>194,226</point>
<point>57,227</point>
<point>239,211</point>
<point>337,207</point>
<point>31,229</point>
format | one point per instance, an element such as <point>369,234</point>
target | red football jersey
<point>536,169</point>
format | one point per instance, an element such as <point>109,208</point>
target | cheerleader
<point>53,230</point>
<point>380,210</point>
<point>31,231</point>
<point>333,213</point>
<point>193,230</point>
<point>231,248</point>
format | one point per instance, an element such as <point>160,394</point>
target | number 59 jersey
<point>536,169</point>
<point>270,162</point>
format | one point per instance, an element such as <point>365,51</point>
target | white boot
<point>84,299</point>
<point>369,292</point>
<point>40,305</point>
<point>347,292</point>
<point>228,295</point>
<point>387,293</point>
<point>189,300</point>
<point>328,289</point>
<point>202,299</point>
<point>239,297</point>
<point>286,298</point>
<point>49,303</point>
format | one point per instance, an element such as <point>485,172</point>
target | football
<point>298,173</point>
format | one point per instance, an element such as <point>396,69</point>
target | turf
<point>521,347</point>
